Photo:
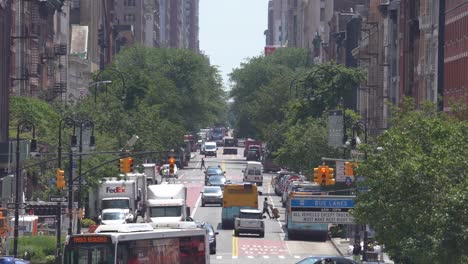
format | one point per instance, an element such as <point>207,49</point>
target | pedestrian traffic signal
<point>80,213</point>
<point>171,165</point>
<point>125,165</point>
<point>60,182</point>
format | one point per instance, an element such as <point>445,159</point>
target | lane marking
<point>219,257</point>
<point>278,220</point>
<point>234,257</point>
<point>250,257</point>
<point>196,206</point>
<point>297,257</point>
<point>281,257</point>
<point>266,257</point>
<point>223,167</point>
<point>235,246</point>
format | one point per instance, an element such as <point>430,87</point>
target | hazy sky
<point>231,31</point>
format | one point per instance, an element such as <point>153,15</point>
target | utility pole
<point>5,43</point>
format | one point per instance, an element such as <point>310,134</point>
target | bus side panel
<point>315,230</point>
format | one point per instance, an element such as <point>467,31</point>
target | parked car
<point>211,236</point>
<point>276,181</point>
<point>286,180</point>
<point>326,260</point>
<point>12,260</point>
<point>211,195</point>
<point>249,221</point>
<point>300,186</point>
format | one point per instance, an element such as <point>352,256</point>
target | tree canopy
<point>418,188</point>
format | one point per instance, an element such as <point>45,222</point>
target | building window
<point>129,17</point>
<point>129,3</point>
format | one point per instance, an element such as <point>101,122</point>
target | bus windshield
<point>166,211</point>
<point>114,203</point>
<point>90,254</point>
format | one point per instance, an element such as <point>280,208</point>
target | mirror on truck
<point>188,211</point>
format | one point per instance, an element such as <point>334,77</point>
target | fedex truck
<point>114,194</point>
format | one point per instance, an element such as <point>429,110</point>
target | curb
<point>336,247</point>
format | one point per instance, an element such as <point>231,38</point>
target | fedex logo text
<point>117,189</point>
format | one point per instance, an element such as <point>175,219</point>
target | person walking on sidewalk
<point>265,207</point>
<point>357,252</point>
<point>202,164</point>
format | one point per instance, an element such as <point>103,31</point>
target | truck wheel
<point>203,204</point>
<point>262,234</point>
<point>236,233</point>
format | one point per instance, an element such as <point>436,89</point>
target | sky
<point>232,31</point>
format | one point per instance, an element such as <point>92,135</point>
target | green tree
<point>418,188</point>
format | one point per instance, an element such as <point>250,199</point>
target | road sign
<point>335,128</point>
<point>77,183</point>
<point>331,209</point>
<point>340,171</point>
<point>11,206</point>
<point>58,199</point>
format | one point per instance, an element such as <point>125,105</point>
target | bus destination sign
<point>90,239</point>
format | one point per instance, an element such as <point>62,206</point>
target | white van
<point>253,172</point>
<point>210,149</point>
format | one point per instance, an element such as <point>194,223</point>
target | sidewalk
<point>345,249</point>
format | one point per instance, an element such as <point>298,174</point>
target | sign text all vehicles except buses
<point>322,217</point>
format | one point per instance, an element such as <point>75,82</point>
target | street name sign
<point>332,209</point>
<point>11,206</point>
<point>335,128</point>
<point>58,199</point>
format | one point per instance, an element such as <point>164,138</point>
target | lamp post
<point>70,180</point>
<point>361,126</point>
<point>67,121</point>
<point>122,78</point>
<point>97,85</point>
<point>21,124</point>
<point>92,143</point>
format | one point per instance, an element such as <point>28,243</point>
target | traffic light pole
<point>58,255</point>
<point>70,195</point>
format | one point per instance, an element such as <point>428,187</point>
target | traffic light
<point>130,164</point>
<point>331,177</point>
<point>60,183</point>
<point>80,213</point>
<point>324,175</point>
<point>349,168</point>
<point>171,165</point>
<point>317,176</point>
<point>125,165</point>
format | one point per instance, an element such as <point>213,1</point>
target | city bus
<point>237,196</point>
<point>138,243</point>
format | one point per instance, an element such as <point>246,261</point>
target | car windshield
<point>250,215</point>
<point>254,171</point>
<point>310,260</point>
<point>167,211</point>
<point>214,170</point>
<point>210,146</point>
<point>113,216</point>
<point>118,204</point>
<point>217,179</point>
<point>211,189</point>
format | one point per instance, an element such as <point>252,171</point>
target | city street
<point>248,249</point>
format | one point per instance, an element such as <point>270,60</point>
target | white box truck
<point>167,203</point>
<point>112,193</point>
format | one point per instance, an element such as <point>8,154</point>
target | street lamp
<point>92,143</point>
<point>21,125</point>
<point>97,85</point>
<point>67,121</point>
<point>361,126</point>
<point>122,78</point>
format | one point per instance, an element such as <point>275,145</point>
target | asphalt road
<point>274,247</point>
